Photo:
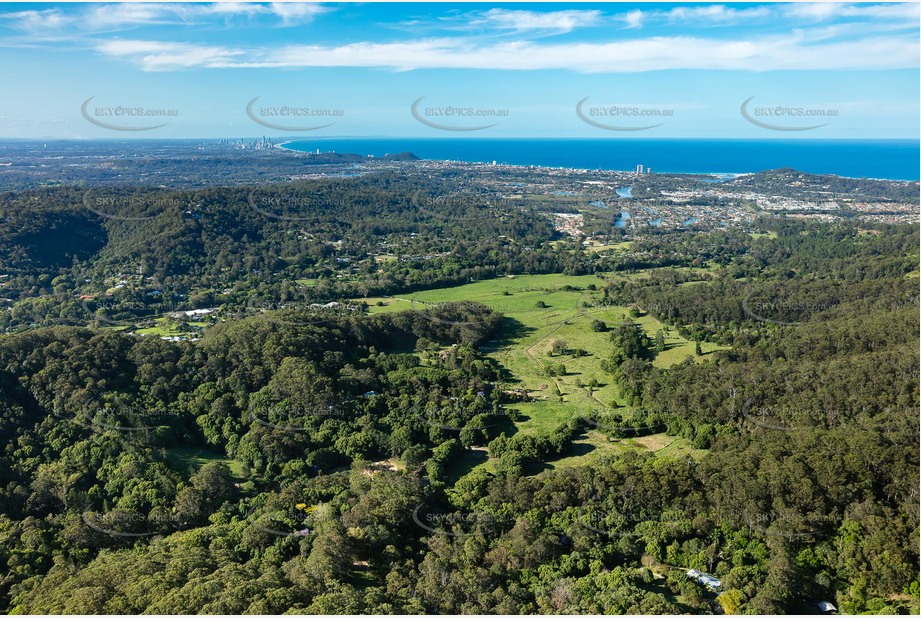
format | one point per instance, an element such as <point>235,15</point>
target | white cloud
<point>812,10</point>
<point>522,21</point>
<point>906,12</point>
<point>233,8</point>
<point>634,18</point>
<point>716,14</point>
<point>160,56</point>
<point>823,11</point>
<point>36,20</point>
<point>112,17</point>
<point>709,15</point>
<point>95,17</point>
<point>722,15</point>
<point>297,12</point>
<point>115,16</point>
<point>789,52</point>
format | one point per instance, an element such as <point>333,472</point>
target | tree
<point>660,341</point>
<point>215,482</point>
<point>731,601</point>
<point>189,506</point>
<point>330,556</point>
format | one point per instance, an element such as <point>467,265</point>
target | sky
<point>313,70</point>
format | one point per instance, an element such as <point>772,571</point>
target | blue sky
<point>810,70</point>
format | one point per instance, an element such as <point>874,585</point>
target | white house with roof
<point>705,579</point>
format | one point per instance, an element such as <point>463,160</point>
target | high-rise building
<point>639,169</point>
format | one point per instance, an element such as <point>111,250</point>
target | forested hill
<point>784,181</point>
<point>377,234</point>
<point>286,463</point>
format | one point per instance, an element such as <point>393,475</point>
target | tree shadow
<point>578,449</point>
<point>464,464</point>
<point>510,330</point>
<point>575,449</point>
<point>504,424</point>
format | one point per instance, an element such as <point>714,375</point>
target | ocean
<point>889,159</point>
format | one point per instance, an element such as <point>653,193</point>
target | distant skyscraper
<point>648,170</point>
<point>639,169</point>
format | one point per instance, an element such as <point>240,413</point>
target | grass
<point>389,304</point>
<point>541,416</point>
<point>527,335</point>
<point>597,246</point>
<point>593,445</point>
<point>188,460</point>
<point>466,463</point>
<point>529,330</point>
<point>522,346</point>
<point>164,329</point>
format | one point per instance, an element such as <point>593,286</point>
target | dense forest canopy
<point>295,459</point>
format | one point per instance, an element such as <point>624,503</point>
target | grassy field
<point>538,310</point>
<point>529,329</point>
<point>597,246</point>
<point>594,444</point>
<point>164,329</point>
<point>188,460</point>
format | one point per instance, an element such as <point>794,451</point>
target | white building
<point>705,579</point>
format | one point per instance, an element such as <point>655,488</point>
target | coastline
<point>361,143</point>
<point>728,175</point>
